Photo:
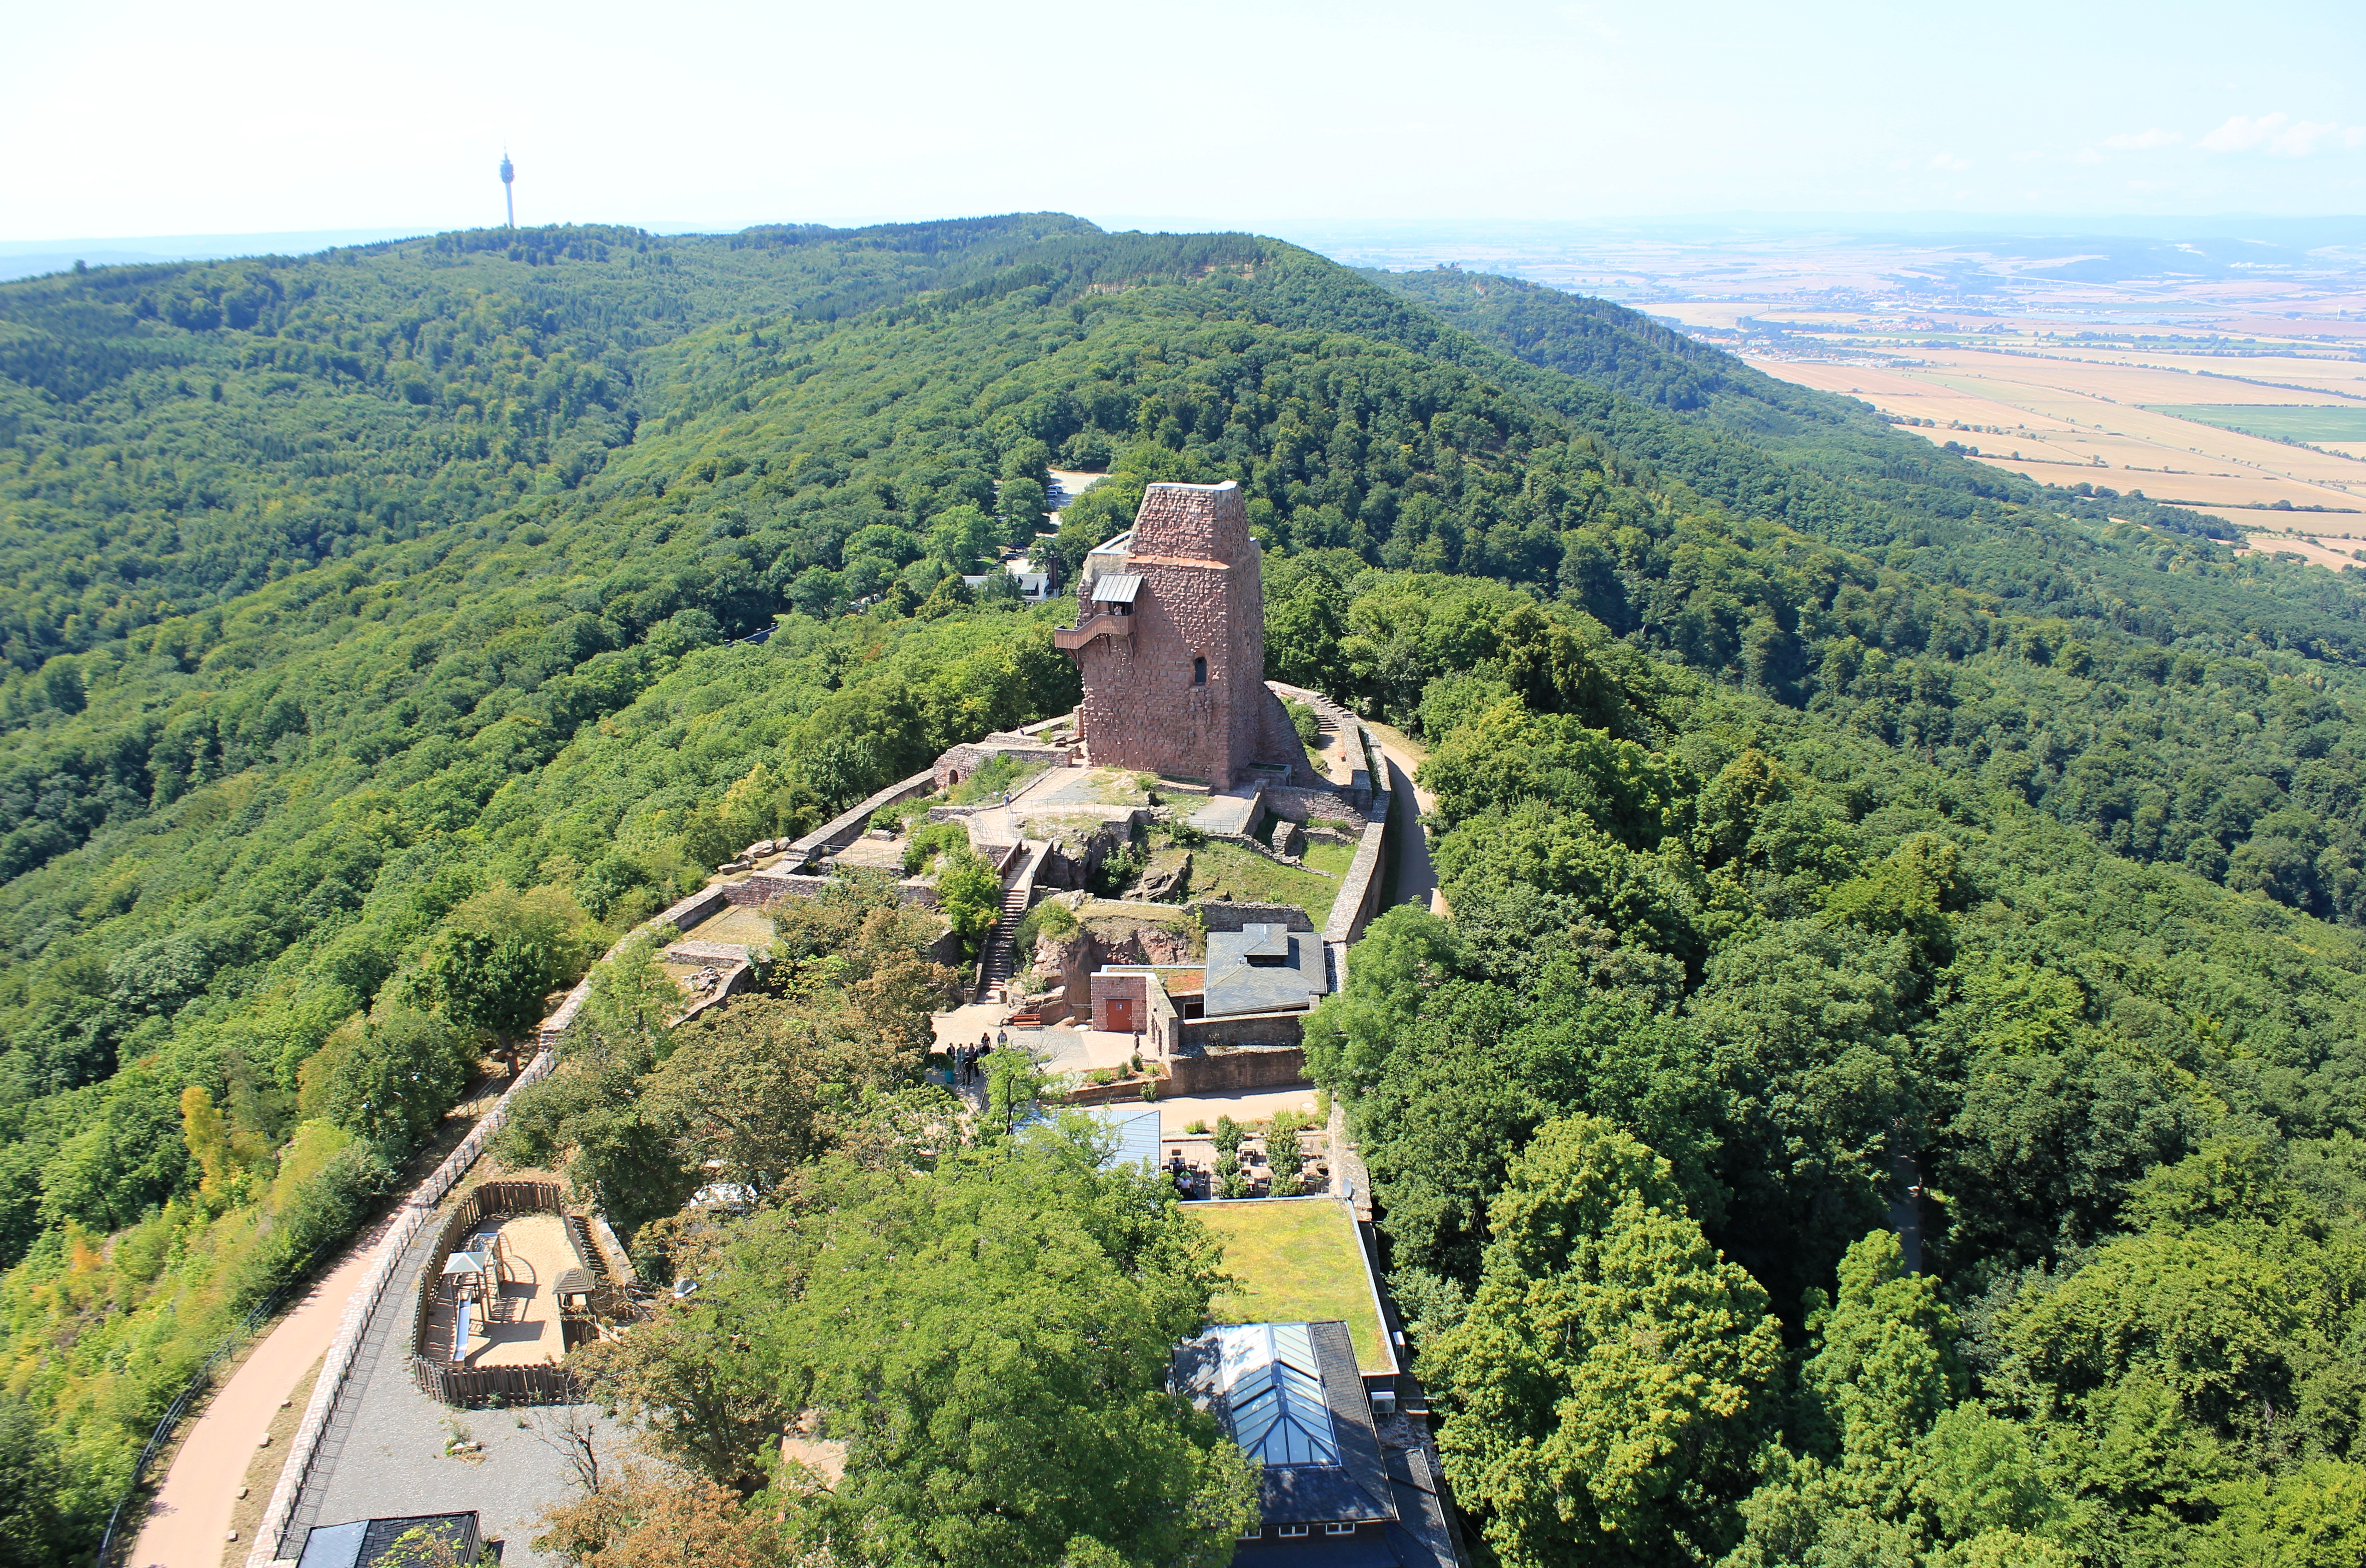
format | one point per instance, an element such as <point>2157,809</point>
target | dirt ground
<point>536,1251</point>
<point>1241,1105</point>
<point>263,1472</point>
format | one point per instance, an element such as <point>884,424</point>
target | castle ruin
<point>1171,635</point>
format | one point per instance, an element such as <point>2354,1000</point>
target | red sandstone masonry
<point>1203,598</point>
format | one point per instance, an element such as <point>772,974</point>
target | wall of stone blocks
<point>1278,1066</point>
<point>1110,989</point>
<point>1221,914</point>
<point>1298,805</point>
<point>961,761</point>
<point>1202,597</point>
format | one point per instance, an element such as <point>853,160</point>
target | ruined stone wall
<point>1202,597</point>
<point>1075,957</point>
<point>961,761</point>
<point>1207,521</point>
<point>1305,805</point>
<point>1214,1073</point>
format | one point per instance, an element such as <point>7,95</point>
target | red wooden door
<point>1121,1015</point>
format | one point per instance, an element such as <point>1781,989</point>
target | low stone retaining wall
<point>844,828</point>
<point>771,887</point>
<point>1220,1071</point>
<point>963,760</point>
<point>1221,914</point>
<point>1360,891</point>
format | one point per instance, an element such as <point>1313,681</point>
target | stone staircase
<point>1001,959</point>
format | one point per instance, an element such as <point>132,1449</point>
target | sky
<point>248,115</point>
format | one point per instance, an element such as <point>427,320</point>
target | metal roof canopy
<point>1118,587</point>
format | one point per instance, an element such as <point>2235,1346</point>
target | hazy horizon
<point>1364,241</point>
<point>1277,113</point>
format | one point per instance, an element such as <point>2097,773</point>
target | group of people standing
<point>965,1058</point>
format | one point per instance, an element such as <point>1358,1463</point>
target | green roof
<point>1297,1261</point>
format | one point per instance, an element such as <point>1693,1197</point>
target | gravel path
<point>383,1453</point>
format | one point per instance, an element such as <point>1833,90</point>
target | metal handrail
<point>110,1541</point>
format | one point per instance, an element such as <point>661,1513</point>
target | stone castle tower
<point>1171,635</point>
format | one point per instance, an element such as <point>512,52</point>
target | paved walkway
<point>189,1518</point>
<point>1416,878</point>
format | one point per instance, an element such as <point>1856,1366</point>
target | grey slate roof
<point>1263,968</point>
<point>1421,1534</point>
<point>362,1543</point>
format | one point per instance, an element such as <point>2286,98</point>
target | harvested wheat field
<point>2064,421</point>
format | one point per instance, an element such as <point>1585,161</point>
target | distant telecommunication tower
<point>509,178</point>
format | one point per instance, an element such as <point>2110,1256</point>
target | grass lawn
<point>1220,868</point>
<point>1298,1260</point>
<point>751,926</point>
<point>1332,857</point>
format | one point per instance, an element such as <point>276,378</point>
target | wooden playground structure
<point>514,1284</point>
<point>476,1280</point>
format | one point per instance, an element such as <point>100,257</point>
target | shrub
<point>993,777</point>
<point>971,896</point>
<point>931,841</point>
<point>1196,1126</point>
<point>1117,872</point>
<point>1053,920</point>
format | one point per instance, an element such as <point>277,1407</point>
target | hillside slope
<point>371,610</point>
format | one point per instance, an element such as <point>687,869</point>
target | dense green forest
<point>1822,815</point>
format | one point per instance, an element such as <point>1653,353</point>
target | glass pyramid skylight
<point>1274,1388</point>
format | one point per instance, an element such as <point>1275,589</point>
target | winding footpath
<point>188,1520</point>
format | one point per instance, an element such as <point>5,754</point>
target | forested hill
<point>1830,466</point>
<point>377,647</point>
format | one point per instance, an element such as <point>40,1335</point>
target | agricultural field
<point>2233,382</point>
<point>2340,426</point>
<point>2059,416</point>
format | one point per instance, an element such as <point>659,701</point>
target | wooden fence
<point>466,1385</point>
<point>472,1386</point>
